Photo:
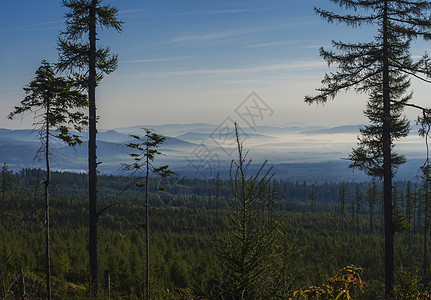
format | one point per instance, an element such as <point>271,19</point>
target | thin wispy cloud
<point>210,36</point>
<point>211,12</point>
<point>271,44</point>
<point>290,66</point>
<point>38,26</point>
<point>206,12</point>
<point>123,12</point>
<point>219,35</point>
<point>152,60</point>
<point>312,47</point>
<point>229,11</point>
<point>147,13</point>
<point>148,45</point>
<point>203,38</point>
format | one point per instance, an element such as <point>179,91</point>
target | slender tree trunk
<point>2,207</point>
<point>408,213</point>
<point>358,207</point>
<point>352,206</point>
<point>92,157</point>
<point>245,220</point>
<point>357,221</point>
<point>3,194</point>
<point>371,211</point>
<point>21,284</point>
<point>425,227</point>
<point>108,284</point>
<point>409,237</point>
<point>147,223</point>
<point>387,163</point>
<point>419,223</point>
<point>47,182</point>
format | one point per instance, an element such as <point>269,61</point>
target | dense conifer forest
<point>320,230</point>
<point>150,235</point>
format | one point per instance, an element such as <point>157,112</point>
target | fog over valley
<point>202,150</point>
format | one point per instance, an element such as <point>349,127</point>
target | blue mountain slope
<point>27,135</point>
<point>113,136</point>
<point>334,130</point>
<point>22,153</point>
<point>199,137</point>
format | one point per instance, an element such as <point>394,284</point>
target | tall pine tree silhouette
<point>79,55</point>
<point>380,68</point>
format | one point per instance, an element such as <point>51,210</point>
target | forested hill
<point>323,228</point>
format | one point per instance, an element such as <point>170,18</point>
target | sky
<point>192,61</point>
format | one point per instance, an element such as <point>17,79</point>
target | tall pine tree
<point>426,179</point>
<point>79,55</point>
<point>380,68</point>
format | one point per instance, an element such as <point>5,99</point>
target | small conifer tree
<point>145,151</point>
<point>246,252</point>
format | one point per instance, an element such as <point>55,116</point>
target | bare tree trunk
<point>108,284</point>
<point>387,163</point>
<point>358,207</point>
<point>409,210</point>
<point>372,202</point>
<point>92,157</point>
<point>426,226</point>
<point>147,224</point>
<point>22,285</point>
<point>3,193</point>
<point>47,182</point>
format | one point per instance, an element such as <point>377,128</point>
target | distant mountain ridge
<point>334,130</point>
<point>193,136</point>
<point>295,151</point>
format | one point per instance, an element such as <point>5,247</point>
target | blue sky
<point>191,61</point>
